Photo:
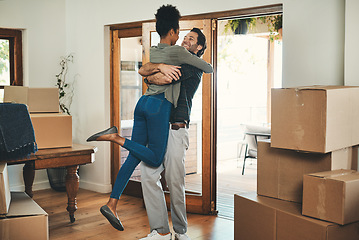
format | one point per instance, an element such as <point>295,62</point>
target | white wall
<point>313,52</point>
<point>313,48</point>
<point>351,70</point>
<point>43,23</point>
<point>351,59</point>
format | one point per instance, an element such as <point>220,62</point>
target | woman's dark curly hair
<point>167,18</point>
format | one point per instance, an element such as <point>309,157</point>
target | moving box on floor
<point>25,220</point>
<point>316,118</point>
<point>263,218</point>
<point>37,99</point>
<point>280,171</point>
<point>52,130</point>
<point>5,196</point>
<point>332,196</point>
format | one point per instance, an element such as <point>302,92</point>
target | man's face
<point>190,42</point>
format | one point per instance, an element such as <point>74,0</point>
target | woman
<point>152,112</point>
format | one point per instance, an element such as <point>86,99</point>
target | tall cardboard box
<point>5,196</point>
<point>332,196</point>
<point>37,99</point>
<point>52,130</point>
<point>316,118</point>
<point>280,171</point>
<point>25,220</point>
<point>263,218</point>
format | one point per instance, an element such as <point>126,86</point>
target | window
<point>10,59</point>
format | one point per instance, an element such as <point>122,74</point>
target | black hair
<point>167,18</point>
<point>201,40</point>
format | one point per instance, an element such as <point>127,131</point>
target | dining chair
<point>252,134</point>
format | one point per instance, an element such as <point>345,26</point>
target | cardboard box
<point>332,196</point>
<point>37,99</point>
<point>315,119</point>
<point>5,196</point>
<point>52,130</point>
<point>263,218</point>
<point>280,171</point>
<point>25,220</point>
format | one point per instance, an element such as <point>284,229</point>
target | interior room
<point>99,46</point>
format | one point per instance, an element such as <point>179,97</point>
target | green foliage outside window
<point>4,58</point>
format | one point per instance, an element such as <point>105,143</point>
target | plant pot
<point>242,27</point>
<point>57,178</point>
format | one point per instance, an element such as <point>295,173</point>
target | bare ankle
<point>112,204</point>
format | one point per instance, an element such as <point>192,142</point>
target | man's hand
<point>159,79</point>
<point>170,71</point>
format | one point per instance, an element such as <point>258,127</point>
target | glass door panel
<point>194,153</point>
<point>130,89</point>
<point>200,183</point>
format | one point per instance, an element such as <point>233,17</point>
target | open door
<point>200,157</point>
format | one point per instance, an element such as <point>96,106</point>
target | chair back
<point>250,139</point>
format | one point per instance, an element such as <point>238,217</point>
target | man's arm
<point>161,79</point>
<point>158,79</point>
<point>169,71</point>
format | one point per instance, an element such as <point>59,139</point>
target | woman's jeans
<point>149,138</point>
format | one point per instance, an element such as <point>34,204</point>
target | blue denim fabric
<point>149,138</point>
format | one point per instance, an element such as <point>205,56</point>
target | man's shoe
<point>104,132</point>
<point>183,236</point>
<point>154,235</point>
<point>114,221</point>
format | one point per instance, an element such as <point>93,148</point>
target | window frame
<point>15,48</point>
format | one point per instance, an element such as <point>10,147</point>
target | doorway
<point>249,64</point>
<point>201,193</point>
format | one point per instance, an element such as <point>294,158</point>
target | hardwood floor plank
<point>90,224</point>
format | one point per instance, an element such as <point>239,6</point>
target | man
<point>178,141</point>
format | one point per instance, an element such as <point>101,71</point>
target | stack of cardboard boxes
<point>52,128</point>
<point>315,135</point>
<point>20,216</point>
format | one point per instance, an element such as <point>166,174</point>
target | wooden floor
<point>90,224</point>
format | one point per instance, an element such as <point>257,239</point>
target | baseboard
<point>36,186</point>
<point>101,188</point>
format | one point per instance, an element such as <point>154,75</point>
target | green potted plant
<point>65,89</point>
<point>57,176</point>
<point>239,26</point>
<point>275,25</point>
<point>242,25</point>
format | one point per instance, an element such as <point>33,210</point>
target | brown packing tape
<point>321,209</point>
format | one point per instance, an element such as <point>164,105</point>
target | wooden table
<point>70,157</point>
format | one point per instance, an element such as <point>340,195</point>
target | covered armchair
<point>252,134</point>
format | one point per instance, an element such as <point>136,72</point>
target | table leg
<point>28,173</point>
<point>72,187</point>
